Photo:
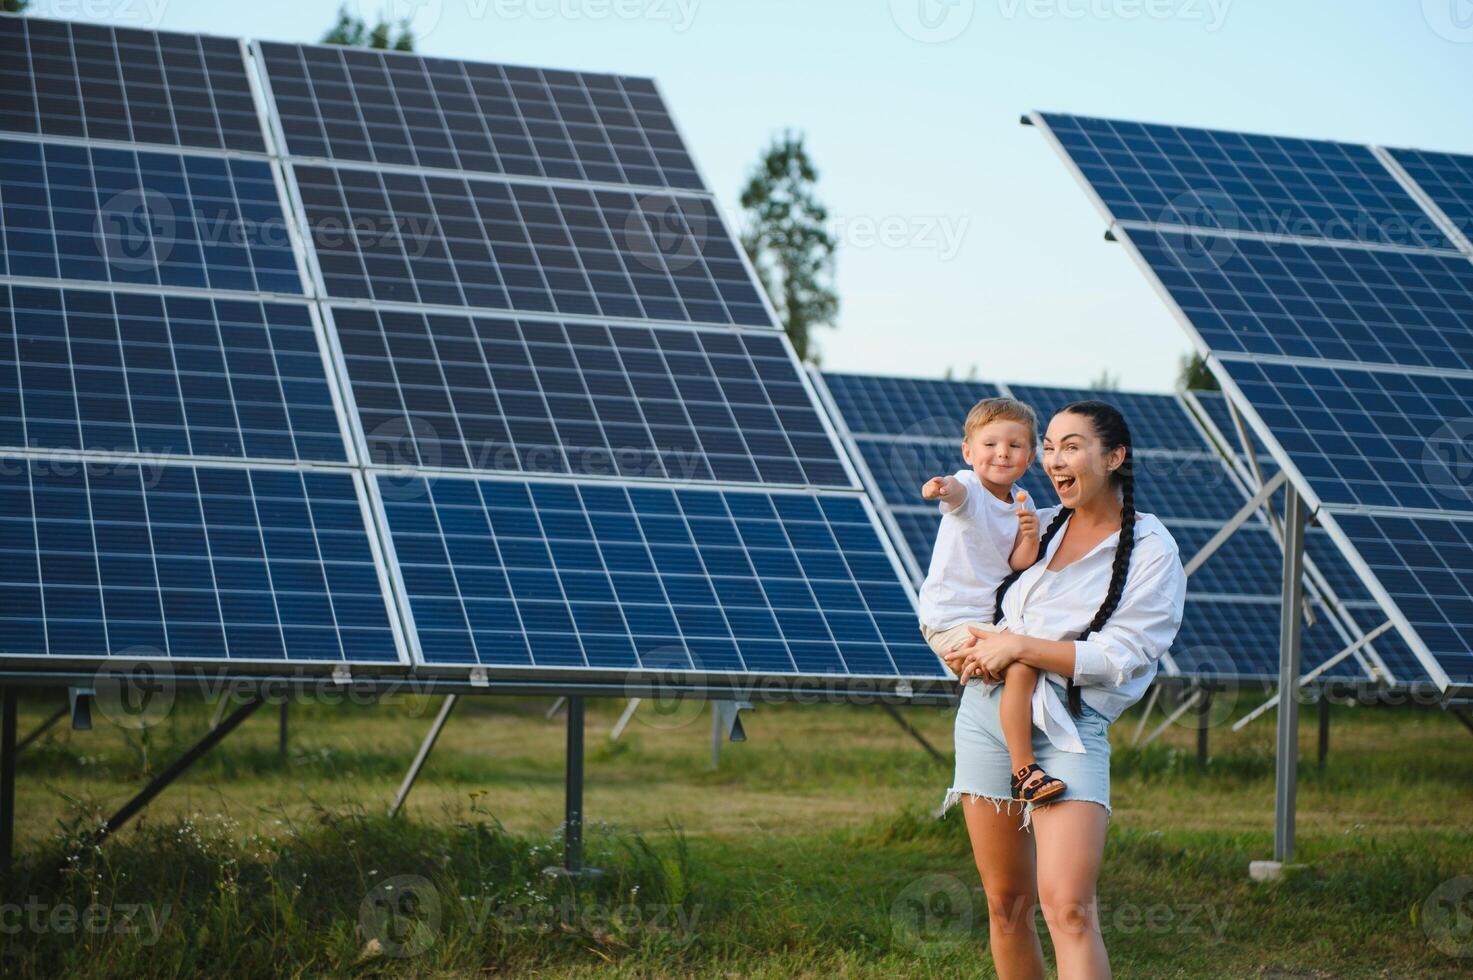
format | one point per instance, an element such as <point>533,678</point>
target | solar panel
<point>1352,360</point>
<point>588,398</point>
<point>1215,406</point>
<point>106,83</point>
<point>1366,437</point>
<point>508,573</point>
<point>1238,638</point>
<point>1426,565</point>
<point>163,373</point>
<point>530,248</point>
<point>1202,178</point>
<point>1157,422</point>
<point>1447,178</point>
<point>155,218</point>
<point>905,407</point>
<point>1360,305</point>
<point>183,563</point>
<point>398,108</point>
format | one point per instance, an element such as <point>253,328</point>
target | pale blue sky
<point>963,238</point>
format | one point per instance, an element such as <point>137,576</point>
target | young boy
<point>988,529</point>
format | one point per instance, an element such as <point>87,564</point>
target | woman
<point>1113,579</point>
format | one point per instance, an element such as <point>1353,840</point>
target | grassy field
<point>809,852</point>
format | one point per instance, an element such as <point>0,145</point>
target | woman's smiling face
<point>1076,461</point>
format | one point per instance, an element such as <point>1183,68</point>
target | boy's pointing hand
<point>934,488</point>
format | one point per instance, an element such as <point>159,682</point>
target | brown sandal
<point>1037,789</point>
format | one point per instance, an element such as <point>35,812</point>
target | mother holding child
<point>1078,616</point>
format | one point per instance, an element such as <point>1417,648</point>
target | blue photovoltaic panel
<point>528,248</point>
<point>900,467</point>
<point>1447,179</point>
<point>594,399</point>
<point>1426,565</point>
<point>393,107</point>
<point>100,82</point>
<point>1320,301</point>
<point>905,407</point>
<point>1215,405</point>
<point>184,563</point>
<point>918,528</point>
<point>1202,178</point>
<point>161,219</point>
<point>529,574</point>
<point>1378,438</point>
<point>182,375</point>
<point>1157,422</point>
<point>1220,638</point>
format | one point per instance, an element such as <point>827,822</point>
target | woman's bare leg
<point>1016,712</point>
<point>1004,856</point>
<point>1071,846</point>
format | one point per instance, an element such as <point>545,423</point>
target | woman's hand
<point>986,655</point>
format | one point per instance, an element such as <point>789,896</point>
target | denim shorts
<point>983,767</point>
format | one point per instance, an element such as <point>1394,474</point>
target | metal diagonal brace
<point>1235,522</point>
<point>191,755</point>
<point>425,747</point>
<point>1310,677</point>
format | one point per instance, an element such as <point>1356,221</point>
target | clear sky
<point>963,239</point>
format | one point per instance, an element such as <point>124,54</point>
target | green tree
<point>14,6</point>
<point>788,241</point>
<point>1194,375</point>
<point>1106,381</point>
<point>355,32</point>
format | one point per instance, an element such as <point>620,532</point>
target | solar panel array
<point>1343,335</point>
<point>401,362</point>
<point>1231,623</point>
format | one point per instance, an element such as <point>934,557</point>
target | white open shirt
<point>1113,667</point>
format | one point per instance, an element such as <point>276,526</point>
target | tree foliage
<point>788,241</point>
<point>14,6</point>
<point>355,32</point>
<point>1194,374</point>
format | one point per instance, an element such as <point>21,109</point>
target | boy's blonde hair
<point>993,409</point>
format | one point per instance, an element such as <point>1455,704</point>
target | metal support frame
<point>1324,742</point>
<point>1462,716</point>
<point>1204,719</point>
<point>1170,719</point>
<point>1290,633</point>
<point>623,722</point>
<point>191,755</point>
<point>1140,726</point>
<point>1314,675</point>
<point>914,733</point>
<point>572,865</point>
<point>425,747</point>
<point>1236,521</point>
<point>8,709</point>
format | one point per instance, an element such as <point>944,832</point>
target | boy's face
<point>999,452</point>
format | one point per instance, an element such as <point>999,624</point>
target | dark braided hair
<point>1113,432</point>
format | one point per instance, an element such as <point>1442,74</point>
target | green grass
<point>808,852</point>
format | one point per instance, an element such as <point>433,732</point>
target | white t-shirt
<point>970,559</point>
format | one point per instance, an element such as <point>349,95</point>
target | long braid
<point>1110,425</point>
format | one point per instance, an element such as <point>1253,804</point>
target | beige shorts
<point>943,640</point>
